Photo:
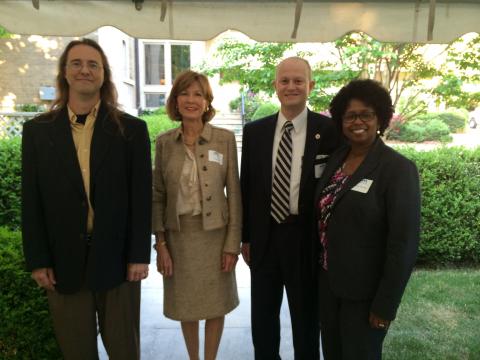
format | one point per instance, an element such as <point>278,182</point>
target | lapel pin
<point>317,136</point>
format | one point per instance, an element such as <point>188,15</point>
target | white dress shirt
<point>299,134</point>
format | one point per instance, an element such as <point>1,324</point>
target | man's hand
<point>44,278</point>
<point>229,261</point>
<point>137,272</point>
<point>378,323</point>
<point>246,253</point>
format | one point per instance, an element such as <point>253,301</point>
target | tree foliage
<point>252,65</point>
<point>400,67</point>
<point>410,72</point>
<point>464,70</point>
<point>4,33</point>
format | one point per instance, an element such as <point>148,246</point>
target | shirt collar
<point>299,122</point>
<point>73,117</point>
<point>206,134</point>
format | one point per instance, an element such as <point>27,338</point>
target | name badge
<point>319,168</point>
<point>363,186</point>
<point>215,156</point>
<point>319,164</point>
<point>321,157</point>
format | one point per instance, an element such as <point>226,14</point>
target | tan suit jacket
<point>216,156</point>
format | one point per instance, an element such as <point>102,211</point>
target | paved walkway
<point>161,338</point>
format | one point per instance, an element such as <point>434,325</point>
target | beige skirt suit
<point>198,289</point>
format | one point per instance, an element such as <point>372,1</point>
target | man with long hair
<point>86,208</point>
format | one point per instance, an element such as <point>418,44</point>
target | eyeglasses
<point>364,117</point>
<point>92,66</point>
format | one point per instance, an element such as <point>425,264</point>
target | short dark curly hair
<point>369,92</point>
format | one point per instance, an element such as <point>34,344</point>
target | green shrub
<point>251,104</point>
<point>30,107</point>
<point>428,127</point>
<point>454,121</point>
<point>265,109</point>
<point>450,183</point>
<point>10,175</point>
<point>437,130</point>
<point>157,122</point>
<point>412,131</point>
<point>26,330</point>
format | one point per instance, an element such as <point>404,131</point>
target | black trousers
<point>284,266</point>
<point>345,330</point>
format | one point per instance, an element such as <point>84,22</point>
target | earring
<point>378,131</point>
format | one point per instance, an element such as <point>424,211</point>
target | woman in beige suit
<point>197,226</point>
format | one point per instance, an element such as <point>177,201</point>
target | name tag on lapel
<point>215,156</point>
<point>363,186</point>
<point>319,165</point>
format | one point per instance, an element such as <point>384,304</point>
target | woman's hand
<point>229,261</point>
<point>378,323</point>
<point>164,261</point>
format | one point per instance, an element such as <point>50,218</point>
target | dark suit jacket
<point>54,206</point>
<point>256,178</point>
<point>373,236</point>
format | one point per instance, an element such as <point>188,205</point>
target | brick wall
<point>26,63</point>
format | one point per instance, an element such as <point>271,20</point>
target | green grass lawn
<point>439,317</point>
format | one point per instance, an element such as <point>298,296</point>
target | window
<point>162,62</point>
<point>180,59</point>
<point>154,100</point>
<point>154,64</point>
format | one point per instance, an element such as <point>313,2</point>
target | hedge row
<point>25,327</point>
<point>10,173</point>
<point>450,183</point>
<point>450,200</point>
<point>429,127</point>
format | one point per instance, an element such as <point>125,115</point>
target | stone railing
<point>11,123</point>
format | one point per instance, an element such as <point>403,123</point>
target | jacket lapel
<point>61,137</point>
<point>267,154</point>
<point>312,143</point>
<point>101,139</point>
<point>335,161</point>
<point>366,167</point>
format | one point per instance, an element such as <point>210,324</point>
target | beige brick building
<point>27,62</point>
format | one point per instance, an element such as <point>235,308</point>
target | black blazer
<point>54,206</point>
<point>256,177</point>
<point>373,236</point>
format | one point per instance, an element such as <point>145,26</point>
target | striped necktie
<point>280,208</point>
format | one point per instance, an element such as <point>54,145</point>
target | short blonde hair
<point>295,58</point>
<point>181,83</point>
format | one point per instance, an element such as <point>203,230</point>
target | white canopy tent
<point>436,21</point>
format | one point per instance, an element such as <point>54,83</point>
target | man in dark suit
<point>86,208</point>
<point>282,156</point>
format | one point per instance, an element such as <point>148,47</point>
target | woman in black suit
<point>368,223</point>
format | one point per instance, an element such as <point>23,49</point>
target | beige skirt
<point>198,289</point>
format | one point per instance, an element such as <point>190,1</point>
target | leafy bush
<point>437,130</point>
<point>26,330</point>
<point>412,131</point>
<point>157,122</point>
<point>265,109</point>
<point>450,183</point>
<point>30,107</point>
<point>10,175</point>
<point>455,121</point>
<point>428,127</point>
<point>251,104</point>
